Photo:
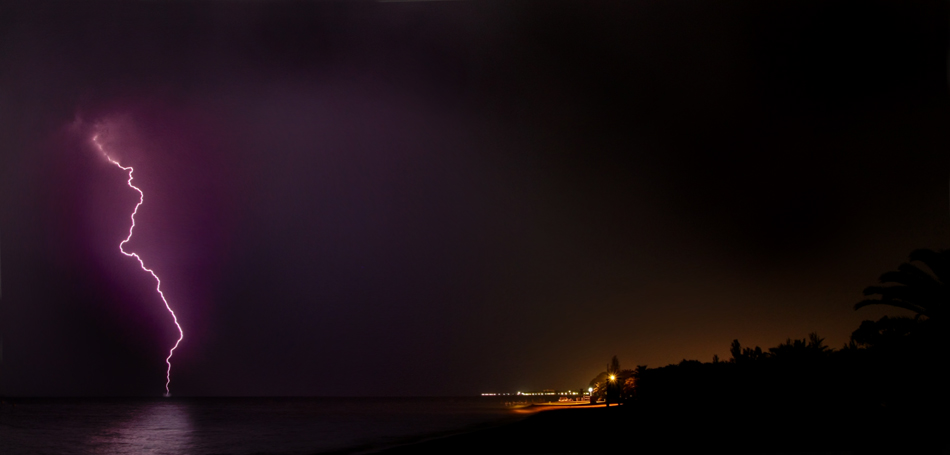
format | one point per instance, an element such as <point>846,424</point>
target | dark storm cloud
<point>450,197</point>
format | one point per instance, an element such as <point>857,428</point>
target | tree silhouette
<point>817,343</point>
<point>599,384</point>
<point>912,288</point>
<point>742,355</point>
<point>886,331</point>
<point>736,350</point>
<point>614,385</point>
<point>614,366</point>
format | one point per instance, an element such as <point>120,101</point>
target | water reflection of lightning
<point>158,285</point>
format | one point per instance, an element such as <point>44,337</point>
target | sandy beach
<point>546,429</point>
<point>619,429</point>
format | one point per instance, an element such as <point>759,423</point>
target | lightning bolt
<point>158,282</point>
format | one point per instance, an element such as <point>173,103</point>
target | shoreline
<point>651,430</point>
<point>527,425</point>
<point>421,442</point>
<point>514,416</point>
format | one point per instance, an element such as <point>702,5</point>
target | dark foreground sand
<point>628,430</point>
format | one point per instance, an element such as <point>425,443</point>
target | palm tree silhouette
<point>913,288</point>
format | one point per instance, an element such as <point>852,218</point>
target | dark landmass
<point>885,392</point>
<point>697,430</point>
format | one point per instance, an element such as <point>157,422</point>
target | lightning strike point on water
<point>158,282</point>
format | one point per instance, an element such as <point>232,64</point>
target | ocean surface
<point>235,425</point>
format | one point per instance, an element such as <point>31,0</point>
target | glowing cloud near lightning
<point>158,282</point>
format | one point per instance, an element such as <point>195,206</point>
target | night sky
<point>453,197</point>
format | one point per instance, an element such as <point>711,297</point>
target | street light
<point>613,378</point>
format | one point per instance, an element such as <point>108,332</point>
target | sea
<point>237,425</point>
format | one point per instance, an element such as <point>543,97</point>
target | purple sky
<point>358,198</point>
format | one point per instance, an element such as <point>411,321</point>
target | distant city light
<point>534,394</point>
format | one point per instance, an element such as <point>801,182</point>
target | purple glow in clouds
<point>158,286</point>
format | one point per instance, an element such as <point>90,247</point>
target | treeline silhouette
<point>883,392</point>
